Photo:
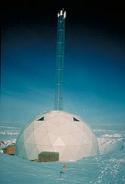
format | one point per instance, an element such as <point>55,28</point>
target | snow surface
<point>106,168</point>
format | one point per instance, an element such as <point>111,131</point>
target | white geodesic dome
<point>57,131</point>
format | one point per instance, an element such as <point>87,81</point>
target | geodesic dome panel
<point>57,131</point>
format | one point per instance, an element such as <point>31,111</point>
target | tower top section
<point>62,13</point>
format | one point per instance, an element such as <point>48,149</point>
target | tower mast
<point>60,59</point>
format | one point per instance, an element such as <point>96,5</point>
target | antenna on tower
<point>60,59</point>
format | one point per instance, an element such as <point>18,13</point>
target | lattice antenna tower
<point>60,59</point>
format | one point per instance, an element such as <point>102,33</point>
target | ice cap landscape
<point>106,168</point>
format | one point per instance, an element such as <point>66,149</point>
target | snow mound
<point>109,143</point>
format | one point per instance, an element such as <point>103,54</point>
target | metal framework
<point>60,59</point>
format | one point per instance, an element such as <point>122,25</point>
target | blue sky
<point>94,75</point>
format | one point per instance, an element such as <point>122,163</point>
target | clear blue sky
<point>94,75</point>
